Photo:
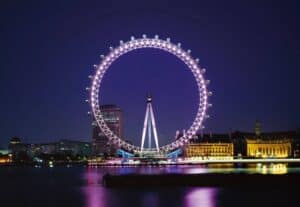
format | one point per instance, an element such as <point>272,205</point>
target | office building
<point>113,116</point>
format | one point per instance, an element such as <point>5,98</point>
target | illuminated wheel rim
<point>169,47</point>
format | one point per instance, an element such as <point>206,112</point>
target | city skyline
<point>251,62</point>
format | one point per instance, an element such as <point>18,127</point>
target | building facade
<point>209,146</point>
<point>113,117</point>
<point>269,148</point>
<point>269,145</point>
<point>209,150</point>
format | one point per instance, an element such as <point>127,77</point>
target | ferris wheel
<point>167,46</point>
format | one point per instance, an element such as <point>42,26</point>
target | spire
<point>257,128</point>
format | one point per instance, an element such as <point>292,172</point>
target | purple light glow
<point>94,196</point>
<point>201,197</point>
<point>94,193</point>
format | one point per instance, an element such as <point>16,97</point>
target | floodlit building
<point>269,148</point>
<point>209,146</point>
<point>269,145</point>
<point>259,144</point>
<point>209,150</point>
<point>113,116</point>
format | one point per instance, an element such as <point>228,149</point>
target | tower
<point>149,124</point>
<point>257,128</point>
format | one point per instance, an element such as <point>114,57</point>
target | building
<point>296,144</point>
<point>270,145</point>
<point>72,147</point>
<point>44,148</point>
<point>14,140</point>
<point>20,151</point>
<point>262,148</point>
<point>209,146</point>
<point>63,146</point>
<point>259,144</point>
<point>24,152</point>
<point>210,150</point>
<point>113,117</point>
<point>16,146</point>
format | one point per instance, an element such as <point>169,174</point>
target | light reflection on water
<point>201,197</point>
<point>279,168</point>
<point>275,169</point>
<point>94,192</point>
<point>79,186</point>
<point>96,195</point>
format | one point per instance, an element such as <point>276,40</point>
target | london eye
<point>167,46</point>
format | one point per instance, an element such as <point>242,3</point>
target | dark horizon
<point>250,51</point>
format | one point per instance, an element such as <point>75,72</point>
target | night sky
<point>250,51</point>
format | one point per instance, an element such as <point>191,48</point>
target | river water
<point>82,186</point>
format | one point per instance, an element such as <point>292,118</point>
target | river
<point>82,186</point>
